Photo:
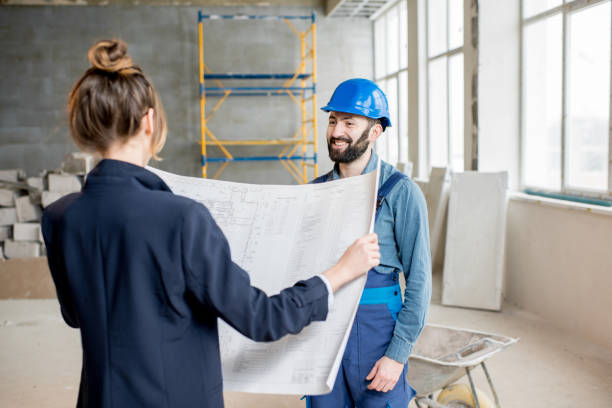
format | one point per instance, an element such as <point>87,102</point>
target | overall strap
<point>387,187</point>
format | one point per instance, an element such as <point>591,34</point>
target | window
<point>442,78</point>
<point>445,73</point>
<point>566,96</point>
<point>391,74</point>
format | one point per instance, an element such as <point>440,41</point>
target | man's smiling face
<point>347,136</point>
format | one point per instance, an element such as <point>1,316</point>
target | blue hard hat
<point>360,97</point>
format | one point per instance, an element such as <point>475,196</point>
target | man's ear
<point>375,132</point>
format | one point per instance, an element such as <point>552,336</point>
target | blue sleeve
<point>412,237</point>
<point>219,284</point>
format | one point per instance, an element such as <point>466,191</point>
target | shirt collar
<point>370,167</point>
<point>109,168</point>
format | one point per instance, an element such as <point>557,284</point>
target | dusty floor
<point>40,360</point>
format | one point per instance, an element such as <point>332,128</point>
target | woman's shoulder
<point>61,205</point>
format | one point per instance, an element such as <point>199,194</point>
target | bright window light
<point>455,24</point>
<point>391,74</point>
<point>437,27</point>
<point>542,104</point>
<point>445,84</point>
<point>438,113</point>
<point>402,127</point>
<point>588,95</point>
<point>534,7</point>
<point>455,114</point>
<point>392,40</point>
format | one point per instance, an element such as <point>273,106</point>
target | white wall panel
<point>473,263</point>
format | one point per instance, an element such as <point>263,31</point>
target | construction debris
<point>27,232</point>
<point>8,216</point>
<point>22,201</point>
<point>27,209</point>
<point>22,249</point>
<point>64,183</point>
<point>7,198</point>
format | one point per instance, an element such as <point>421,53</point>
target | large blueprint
<point>282,234</point>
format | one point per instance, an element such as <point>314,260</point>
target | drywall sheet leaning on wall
<point>437,205</point>
<point>281,234</point>
<point>473,262</point>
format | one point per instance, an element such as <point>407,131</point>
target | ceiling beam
<point>317,4</point>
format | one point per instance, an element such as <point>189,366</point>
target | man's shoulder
<point>388,170</point>
<point>405,187</point>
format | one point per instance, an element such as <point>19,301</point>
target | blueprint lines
<point>282,234</point>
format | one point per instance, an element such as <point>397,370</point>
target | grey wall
<point>44,52</point>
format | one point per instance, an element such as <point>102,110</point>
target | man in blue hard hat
<point>375,362</point>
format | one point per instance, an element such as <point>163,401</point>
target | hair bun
<point>110,56</point>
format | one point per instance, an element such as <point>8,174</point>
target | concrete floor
<point>40,360</point>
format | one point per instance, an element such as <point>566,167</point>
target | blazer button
<point>395,293</point>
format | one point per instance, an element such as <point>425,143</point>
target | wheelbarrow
<point>442,355</point>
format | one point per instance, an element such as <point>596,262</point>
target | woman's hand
<point>356,261</point>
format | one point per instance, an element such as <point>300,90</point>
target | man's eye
<point>349,123</point>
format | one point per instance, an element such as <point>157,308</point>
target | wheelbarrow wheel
<point>460,396</point>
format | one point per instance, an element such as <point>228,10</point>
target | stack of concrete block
<point>22,201</point>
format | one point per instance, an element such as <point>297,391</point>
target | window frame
<point>403,137</point>
<point>565,10</point>
<point>422,158</point>
<point>428,60</point>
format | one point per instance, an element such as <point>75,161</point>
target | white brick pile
<point>22,201</point>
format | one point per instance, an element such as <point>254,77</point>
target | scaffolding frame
<point>296,147</point>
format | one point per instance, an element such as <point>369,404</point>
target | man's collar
<point>370,167</point>
<point>372,163</point>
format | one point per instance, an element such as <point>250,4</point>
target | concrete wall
<point>559,266</point>
<point>44,53</point>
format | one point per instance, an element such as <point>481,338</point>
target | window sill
<point>551,202</point>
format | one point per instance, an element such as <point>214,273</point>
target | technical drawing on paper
<point>282,234</point>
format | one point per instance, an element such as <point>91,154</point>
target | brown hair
<point>109,101</point>
<point>372,122</point>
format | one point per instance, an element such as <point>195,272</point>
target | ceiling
<point>354,8</point>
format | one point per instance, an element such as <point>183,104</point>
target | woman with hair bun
<point>145,274</point>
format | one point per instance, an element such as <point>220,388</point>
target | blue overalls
<point>380,303</point>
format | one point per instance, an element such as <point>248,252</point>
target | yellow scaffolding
<point>302,147</point>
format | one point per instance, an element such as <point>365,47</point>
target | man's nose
<point>337,130</point>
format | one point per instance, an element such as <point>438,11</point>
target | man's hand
<point>357,260</point>
<point>384,374</point>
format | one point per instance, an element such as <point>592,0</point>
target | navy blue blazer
<point>145,274</point>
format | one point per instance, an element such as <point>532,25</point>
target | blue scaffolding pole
<point>256,158</point>
<point>255,88</point>
<point>256,76</point>
<point>202,17</point>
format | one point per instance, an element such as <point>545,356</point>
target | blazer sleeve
<point>58,272</point>
<point>218,283</point>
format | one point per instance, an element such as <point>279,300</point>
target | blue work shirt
<point>403,237</point>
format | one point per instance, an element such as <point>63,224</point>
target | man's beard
<point>353,151</point>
